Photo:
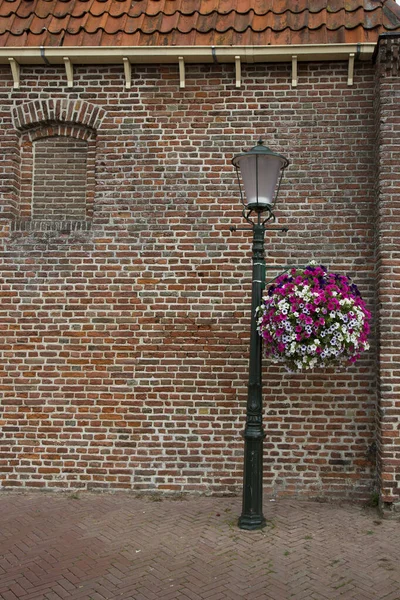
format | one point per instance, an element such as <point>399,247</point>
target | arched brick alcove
<point>56,163</point>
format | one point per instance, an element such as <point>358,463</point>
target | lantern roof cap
<point>260,149</point>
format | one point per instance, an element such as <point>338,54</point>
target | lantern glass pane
<point>260,175</point>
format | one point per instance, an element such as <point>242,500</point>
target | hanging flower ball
<point>310,318</point>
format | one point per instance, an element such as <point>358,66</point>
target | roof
<point>105,23</point>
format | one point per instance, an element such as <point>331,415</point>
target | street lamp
<point>260,170</point>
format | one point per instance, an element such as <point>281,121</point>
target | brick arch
<point>47,130</point>
<point>39,112</point>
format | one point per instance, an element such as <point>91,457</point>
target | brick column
<point>388,268</point>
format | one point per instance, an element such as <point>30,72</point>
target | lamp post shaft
<point>252,515</point>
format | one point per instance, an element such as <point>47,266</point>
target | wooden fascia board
<point>190,54</point>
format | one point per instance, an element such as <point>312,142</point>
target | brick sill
<point>43,225</point>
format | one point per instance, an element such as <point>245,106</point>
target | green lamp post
<point>260,169</point>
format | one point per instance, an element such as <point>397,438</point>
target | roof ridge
<point>390,7</point>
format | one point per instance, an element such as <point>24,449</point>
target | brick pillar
<point>9,168</point>
<point>388,268</point>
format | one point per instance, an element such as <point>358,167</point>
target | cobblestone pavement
<point>119,546</point>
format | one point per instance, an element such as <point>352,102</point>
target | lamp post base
<point>252,522</point>
<point>252,508</point>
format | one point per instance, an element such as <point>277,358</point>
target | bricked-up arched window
<point>56,164</point>
<point>57,174</point>
<point>60,178</point>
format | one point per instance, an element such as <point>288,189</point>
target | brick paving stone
<point>123,547</point>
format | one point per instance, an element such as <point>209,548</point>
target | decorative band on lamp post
<point>261,171</point>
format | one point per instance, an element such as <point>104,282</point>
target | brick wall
<point>125,341</point>
<point>59,178</point>
<point>388,269</point>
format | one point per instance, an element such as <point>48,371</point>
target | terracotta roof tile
<point>193,22</point>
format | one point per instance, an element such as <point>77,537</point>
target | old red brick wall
<point>125,334</point>
<point>59,181</point>
<point>388,268</point>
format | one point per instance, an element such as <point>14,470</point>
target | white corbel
<point>294,70</point>
<point>15,70</point>
<point>238,72</point>
<point>350,74</point>
<point>181,72</point>
<point>128,72</point>
<point>69,69</point>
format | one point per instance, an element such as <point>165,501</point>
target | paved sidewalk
<point>118,546</point>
